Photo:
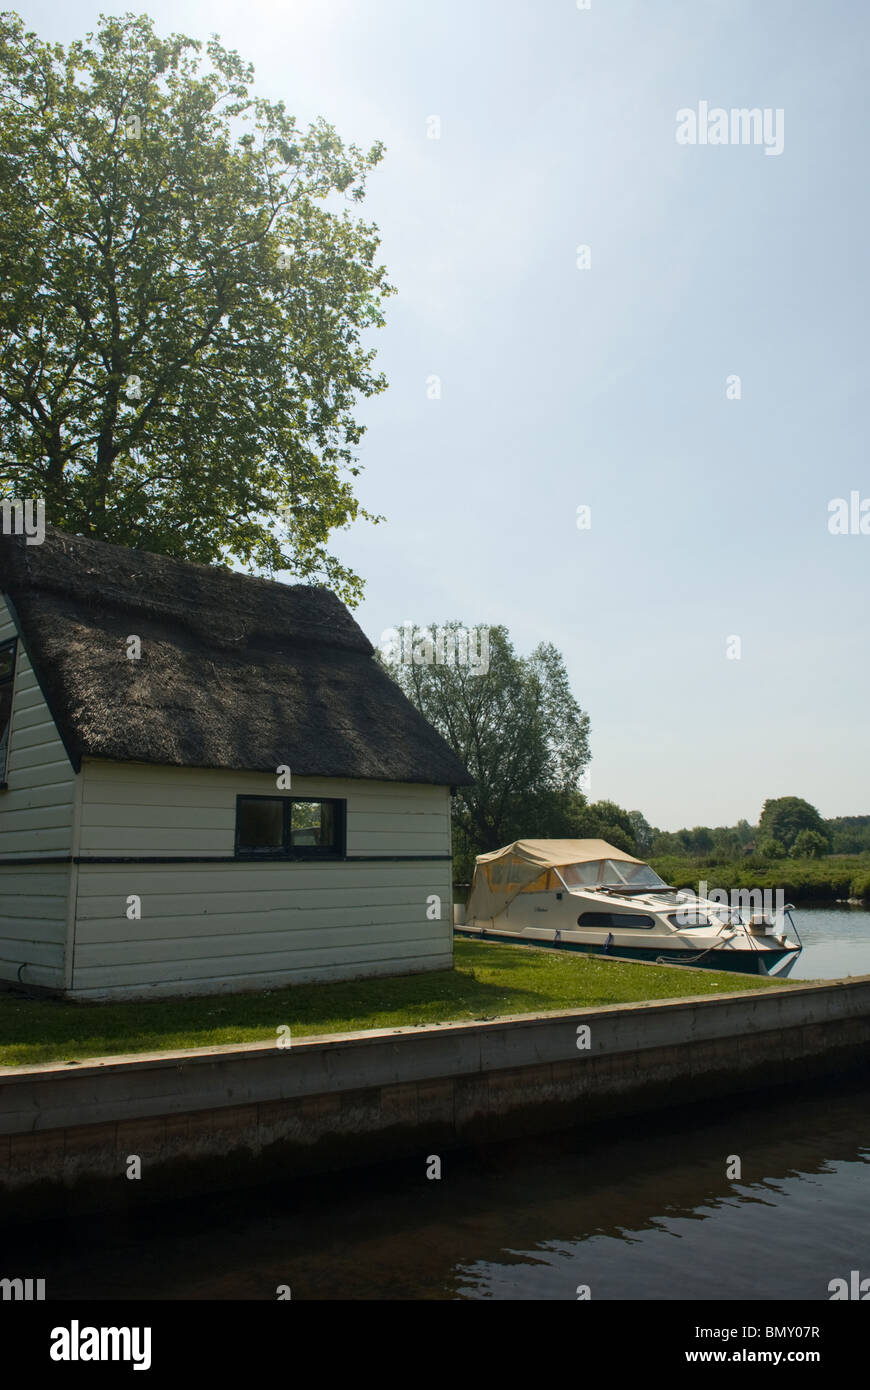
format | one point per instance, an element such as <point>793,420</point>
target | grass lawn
<point>490,979</point>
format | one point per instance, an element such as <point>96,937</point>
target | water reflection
<point>643,1210</point>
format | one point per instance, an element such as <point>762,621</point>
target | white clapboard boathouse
<point>207,783</point>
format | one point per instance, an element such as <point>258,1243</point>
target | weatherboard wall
<point>36,821</point>
<point>235,924</point>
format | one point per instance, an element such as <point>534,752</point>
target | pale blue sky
<point>607,386</point>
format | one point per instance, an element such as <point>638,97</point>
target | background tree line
<point>523,736</point>
<point>787,826</point>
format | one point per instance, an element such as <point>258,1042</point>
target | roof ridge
<point>203,599</point>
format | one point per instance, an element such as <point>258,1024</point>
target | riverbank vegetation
<point>832,879</point>
<point>490,980</point>
<point>792,848</point>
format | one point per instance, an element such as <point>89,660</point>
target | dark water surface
<point>640,1210</point>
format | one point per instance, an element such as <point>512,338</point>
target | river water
<point>644,1209</point>
<point>836,942</point>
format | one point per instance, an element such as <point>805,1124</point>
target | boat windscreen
<point>619,872</point>
<point>581,875</point>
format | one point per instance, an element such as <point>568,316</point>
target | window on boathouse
<point>290,827</point>
<point>7,685</point>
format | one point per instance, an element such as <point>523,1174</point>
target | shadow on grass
<point>49,1027</point>
<point>490,979</point>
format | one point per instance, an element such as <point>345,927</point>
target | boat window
<point>620,920</point>
<point>690,918</point>
<point>633,875</point>
<point>497,875</point>
<point>581,875</point>
<point>546,883</point>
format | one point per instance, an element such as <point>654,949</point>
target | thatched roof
<point>235,672</point>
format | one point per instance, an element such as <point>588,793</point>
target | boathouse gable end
<point>256,801</point>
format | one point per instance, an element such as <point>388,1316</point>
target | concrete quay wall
<point>217,1117</point>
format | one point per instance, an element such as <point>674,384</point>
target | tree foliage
<point>787,826</point>
<point>184,300</point>
<point>642,832</point>
<point>772,849</point>
<point>810,844</point>
<point>519,731</point>
<point>849,834</point>
<point>604,820</point>
<point>783,818</point>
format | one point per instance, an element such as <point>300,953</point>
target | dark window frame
<point>289,851</point>
<point>9,643</point>
<point>620,921</point>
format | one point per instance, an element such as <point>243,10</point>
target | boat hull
<point>761,962</point>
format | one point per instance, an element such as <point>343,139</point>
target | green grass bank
<point>489,980</point>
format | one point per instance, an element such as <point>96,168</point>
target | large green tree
<point>604,820</point>
<point>184,304</point>
<point>516,726</point>
<point>784,817</point>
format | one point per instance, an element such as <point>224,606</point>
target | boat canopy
<point>503,873</point>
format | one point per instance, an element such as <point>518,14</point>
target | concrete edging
<point>379,1092</point>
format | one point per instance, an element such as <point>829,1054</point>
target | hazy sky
<point>606,387</point>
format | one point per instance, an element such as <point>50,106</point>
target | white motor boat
<point>586,895</point>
